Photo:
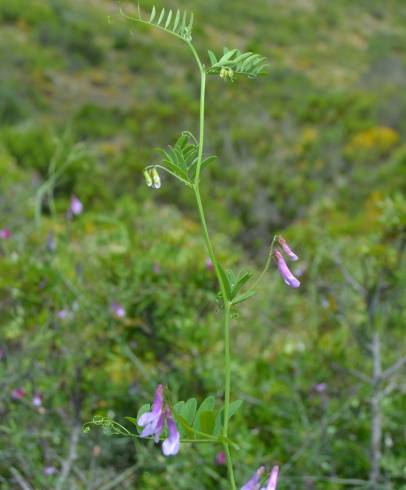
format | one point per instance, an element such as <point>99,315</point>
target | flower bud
<point>155,178</point>
<point>288,251</point>
<point>148,179</point>
<point>285,272</point>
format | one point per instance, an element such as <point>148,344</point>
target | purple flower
<point>5,234</point>
<point>63,314</point>
<point>221,458</point>
<point>321,387</point>
<point>49,470</point>
<point>288,251</point>
<point>284,271</point>
<point>18,394</point>
<point>171,444</point>
<point>273,479</point>
<point>37,400</point>
<point>253,482</point>
<point>153,422</point>
<point>118,310</point>
<point>76,206</point>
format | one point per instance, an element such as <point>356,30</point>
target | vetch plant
<point>185,422</point>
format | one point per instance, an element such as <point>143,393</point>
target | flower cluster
<point>284,270</point>
<point>154,421</point>
<point>254,482</point>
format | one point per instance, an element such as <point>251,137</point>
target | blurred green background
<point>316,150</point>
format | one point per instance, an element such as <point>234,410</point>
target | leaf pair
<point>236,62</point>
<point>181,160</point>
<point>233,284</point>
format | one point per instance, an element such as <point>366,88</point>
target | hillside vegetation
<point>315,150</point>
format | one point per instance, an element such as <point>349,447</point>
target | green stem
<point>213,258</point>
<point>230,466</point>
<point>227,368</point>
<point>201,128</point>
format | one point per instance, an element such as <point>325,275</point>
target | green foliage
<point>181,160</point>
<point>233,61</point>
<point>176,22</point>
<point>288,162</point>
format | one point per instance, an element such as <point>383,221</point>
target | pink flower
<point>288,251</point>
<point>18,394</point>
<point>118,310</point>
<point>76,206</point>
<point>285,272</point>
<point>221,458</point>
<point>209,264</point>
<point>5,234</point>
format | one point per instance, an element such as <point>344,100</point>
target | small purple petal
<point>49,470</point>
<point>171,445</point>
<point>153,421</point>
<point>321,387</point>
<point>118,310</point>
<point>253,482</point>
<point>37,400</point>
<point>285,272</point>
<point>273,479</point>
<point>159,428</point>
<point>288,251</point>
<point>76,206</point>
<point>5,234</point>
<point>62,314</point>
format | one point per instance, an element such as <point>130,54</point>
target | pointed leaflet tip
<point>153,13</point>
<point>161,17</point>
<point>168,20</point>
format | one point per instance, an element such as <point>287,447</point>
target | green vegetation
<point>318,154</point>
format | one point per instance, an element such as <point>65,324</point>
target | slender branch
<point>354,372</point>
<point>70,459</point>
<point>376,438</point>
<point>395,367</point>
<point>20,479</point>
